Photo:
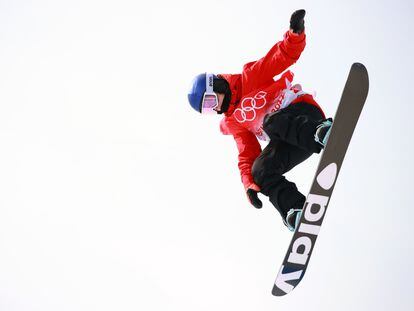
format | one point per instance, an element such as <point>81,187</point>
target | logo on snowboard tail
<point>313,212</point>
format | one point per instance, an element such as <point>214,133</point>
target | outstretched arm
<point>280,57</point>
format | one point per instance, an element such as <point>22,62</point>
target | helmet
<point>197,90</point>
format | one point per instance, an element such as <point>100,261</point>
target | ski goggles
<point>210,99</point>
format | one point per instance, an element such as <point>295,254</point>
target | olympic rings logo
<point>249,105</point>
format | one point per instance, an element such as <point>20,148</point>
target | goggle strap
<point>209,83</point>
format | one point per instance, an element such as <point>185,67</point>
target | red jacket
<point>254,93</point>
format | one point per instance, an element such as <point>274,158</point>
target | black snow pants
<point>291,132</point>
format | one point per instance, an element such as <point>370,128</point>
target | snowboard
<point>303,241</point>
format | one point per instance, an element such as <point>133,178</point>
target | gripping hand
<point>252,192</point>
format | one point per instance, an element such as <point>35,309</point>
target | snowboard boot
<point>322,132</point>
<point>292,218</point>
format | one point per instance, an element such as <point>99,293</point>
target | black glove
<point>253,198</point>
<point>297,22</point>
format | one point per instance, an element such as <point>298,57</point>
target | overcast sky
<point>116,195</point>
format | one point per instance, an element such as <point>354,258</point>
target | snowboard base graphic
<point>303,241</point>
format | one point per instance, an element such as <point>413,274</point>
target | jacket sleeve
<point>249,149</point>
<point>280,57</point>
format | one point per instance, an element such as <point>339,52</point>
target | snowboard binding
<point>322,132</point>
<point>292,218</point>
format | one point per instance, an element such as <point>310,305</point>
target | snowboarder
<point>255,106</point>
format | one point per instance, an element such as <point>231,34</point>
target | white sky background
<point>116,195</point>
